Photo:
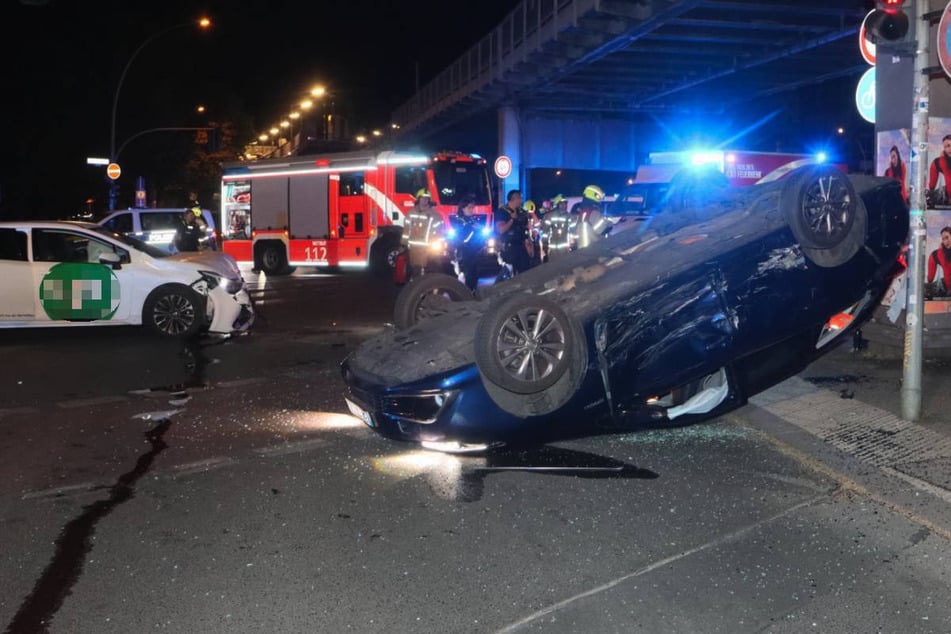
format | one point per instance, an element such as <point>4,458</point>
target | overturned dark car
<point>717,298</point>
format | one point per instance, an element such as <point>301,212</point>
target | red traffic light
<point>888,24</point>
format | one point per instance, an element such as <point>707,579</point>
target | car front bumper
<point>231,312</point>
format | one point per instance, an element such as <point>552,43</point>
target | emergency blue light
<point>486,231</point>
<point>822,157</point>
<point>706,157</point>
<point>451,233</point>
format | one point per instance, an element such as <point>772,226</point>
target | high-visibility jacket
<point>423,226</point>
<point>558,228</point>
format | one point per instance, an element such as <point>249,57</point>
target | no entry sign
<point>113,171</point>
<point>503,166</point>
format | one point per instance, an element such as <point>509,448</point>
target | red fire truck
<point>339,210</point>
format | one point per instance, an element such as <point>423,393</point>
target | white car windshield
<point>135,243</point>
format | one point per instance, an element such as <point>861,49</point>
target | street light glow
<point>274,131</point>
<point>294,115</point>
<point>361,139</point>
<point>200,108</point>
<point>285,123</point>
<point>377,133</point>
<point>262,137</point>
<point>318,91</point>
<point>307,104</point>
<point>204,23</point>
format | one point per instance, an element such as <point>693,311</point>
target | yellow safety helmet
<point>557,200</point>
<point>529,206</point>
<point>594,192</point>
<point>423,192</point>
<point>197,211</point>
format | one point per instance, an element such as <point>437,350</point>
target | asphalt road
<point>220,487</point>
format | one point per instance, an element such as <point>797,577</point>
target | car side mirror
<point>112,259</point>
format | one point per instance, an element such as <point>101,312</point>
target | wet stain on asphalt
<point>75,541</point>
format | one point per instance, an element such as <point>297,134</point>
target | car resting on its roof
<point>685,318</point>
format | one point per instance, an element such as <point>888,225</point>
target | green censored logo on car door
<point>79,290</point>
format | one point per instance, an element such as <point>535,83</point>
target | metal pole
<point>914,308</point>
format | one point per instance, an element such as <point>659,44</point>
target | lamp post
<point>204,24</point>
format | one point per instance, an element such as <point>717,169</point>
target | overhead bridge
<point>620,59</point>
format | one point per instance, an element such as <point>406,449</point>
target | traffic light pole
<point>917,227</point>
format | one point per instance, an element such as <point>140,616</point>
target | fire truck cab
<point>340,210</point>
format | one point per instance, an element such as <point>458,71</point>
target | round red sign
<point>503,166</point>
<point>113,171</point>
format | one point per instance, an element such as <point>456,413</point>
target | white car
<point>55,273</point>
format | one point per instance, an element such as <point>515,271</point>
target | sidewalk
<point>852,402</point>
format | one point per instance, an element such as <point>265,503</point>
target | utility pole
<point>917,228</point>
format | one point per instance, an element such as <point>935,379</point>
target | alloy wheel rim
<point>826,208</point>
<point>531,344</point>
<point>174,314</point>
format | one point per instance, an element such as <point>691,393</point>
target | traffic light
<point>889,25</point>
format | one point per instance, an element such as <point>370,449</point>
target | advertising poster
<point>937,215</point>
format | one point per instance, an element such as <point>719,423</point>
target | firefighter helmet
<point>529,206</point>
<point>423,192</point>
<point>593,192</point>
<point>557,200</point>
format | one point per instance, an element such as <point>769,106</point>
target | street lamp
<point>204,24</point>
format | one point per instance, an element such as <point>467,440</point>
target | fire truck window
<point>345,220</point>
<point>410,180</point>
<point>358,223</point>
<point>351,184</point>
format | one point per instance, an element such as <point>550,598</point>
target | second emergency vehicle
<point>342,210</point>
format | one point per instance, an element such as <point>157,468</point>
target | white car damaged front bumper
<point>228,307</point>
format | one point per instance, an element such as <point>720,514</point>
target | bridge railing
<point>525,30</point>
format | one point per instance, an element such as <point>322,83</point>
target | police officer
<point>189,235</point>
<point>511,225</point>
<point>557,228</point>
<point>424,227</point>
<point>468,242</point>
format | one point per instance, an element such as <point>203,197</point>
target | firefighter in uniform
<point>534,229</point>
<point>556,228</point>
<point>592,224</point>
<point>424,230</point>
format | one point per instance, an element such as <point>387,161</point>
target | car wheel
<point>383,256</point>
<point>427,296</point>
<point>824,213</point>
<point>526,344</point>
<point>274,259</point>
<point>174,311</point>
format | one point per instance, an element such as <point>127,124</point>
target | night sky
<point>63,59</point>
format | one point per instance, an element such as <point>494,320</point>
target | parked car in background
<point>157,227</point>
<point>82,274</point>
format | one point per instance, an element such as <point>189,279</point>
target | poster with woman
<point>892,157</point>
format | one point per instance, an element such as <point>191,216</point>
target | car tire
<point>824,213</point>
<point>526,344</point>
<point>174,310</point>
<point>273,259</point>
<point>426,296</point>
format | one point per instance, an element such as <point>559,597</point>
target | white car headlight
<point>214,280</point>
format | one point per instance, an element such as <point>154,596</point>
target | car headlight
<point>214,280</point>
<point>418,408</point>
